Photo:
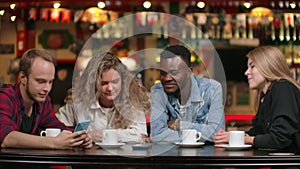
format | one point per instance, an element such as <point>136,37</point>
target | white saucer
<point>228,147</point>
<point>189,144</point>
<point>109,145</point>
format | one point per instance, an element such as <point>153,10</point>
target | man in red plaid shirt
<point>25,108</point>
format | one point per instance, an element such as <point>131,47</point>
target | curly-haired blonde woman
<point>111,97</point>
<point>275,124</point>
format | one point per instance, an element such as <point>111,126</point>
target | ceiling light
<point>118,3</point>
<point>201,4</point>
<point>193,3</point>
<point>13,18</point>
<point>147,4</point>
<point>261,11</point>
<point>101,5</point>
<point>280,3</point>
<point>236,3</point>
<point>293,5</point>
<point>287,4</point>
<point>107,2</point>
<point>2,12</point>
<point>247,5</point>
<point>273,4</point>
<point>12,6</point>
<point>56,5</point>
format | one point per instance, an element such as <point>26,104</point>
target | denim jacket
<point>204,111</point>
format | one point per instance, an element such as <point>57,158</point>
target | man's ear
<point>23,77</point>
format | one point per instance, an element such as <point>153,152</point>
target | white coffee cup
<point>51,132</point>
<point>236,138</point>
<point>110,136</point>
<point>190,136</point>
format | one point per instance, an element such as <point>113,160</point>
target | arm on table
<point>160,132</point>
<point>215,118</point>
<point>65,140</point>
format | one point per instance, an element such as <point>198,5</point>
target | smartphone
<point>82,125</point>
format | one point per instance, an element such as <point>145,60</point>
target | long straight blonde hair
<point>271,63</point>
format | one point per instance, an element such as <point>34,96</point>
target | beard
<point>30,95</point>
<point>175,93</point>
<point>27,90</point>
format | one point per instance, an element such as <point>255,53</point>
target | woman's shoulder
<point>284,84</point>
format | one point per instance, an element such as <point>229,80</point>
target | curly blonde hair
<point>132,99</point>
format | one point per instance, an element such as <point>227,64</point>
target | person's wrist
<point>249,140</point>
<point>52,143</point>
<point>177,124</point>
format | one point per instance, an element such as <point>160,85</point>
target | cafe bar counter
<point>158,156</point>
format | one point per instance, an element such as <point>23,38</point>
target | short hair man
<point>183,101</point>
<point>25,108</point>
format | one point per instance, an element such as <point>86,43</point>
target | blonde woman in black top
<point>275,123</point>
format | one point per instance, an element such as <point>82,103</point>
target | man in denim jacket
<point>184,101</point>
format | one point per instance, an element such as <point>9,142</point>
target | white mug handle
<point>43,132</point>
<point>105,136</point>
<point>198,136</point>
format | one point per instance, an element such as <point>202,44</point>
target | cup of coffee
<point>110,136</point>
<point>51,132</point>
<point>190,136</point>
<point>236,138</point>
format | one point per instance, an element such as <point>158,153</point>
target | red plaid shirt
<point>12,109</point>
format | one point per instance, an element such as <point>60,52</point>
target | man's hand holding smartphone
<point>83,125</point>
